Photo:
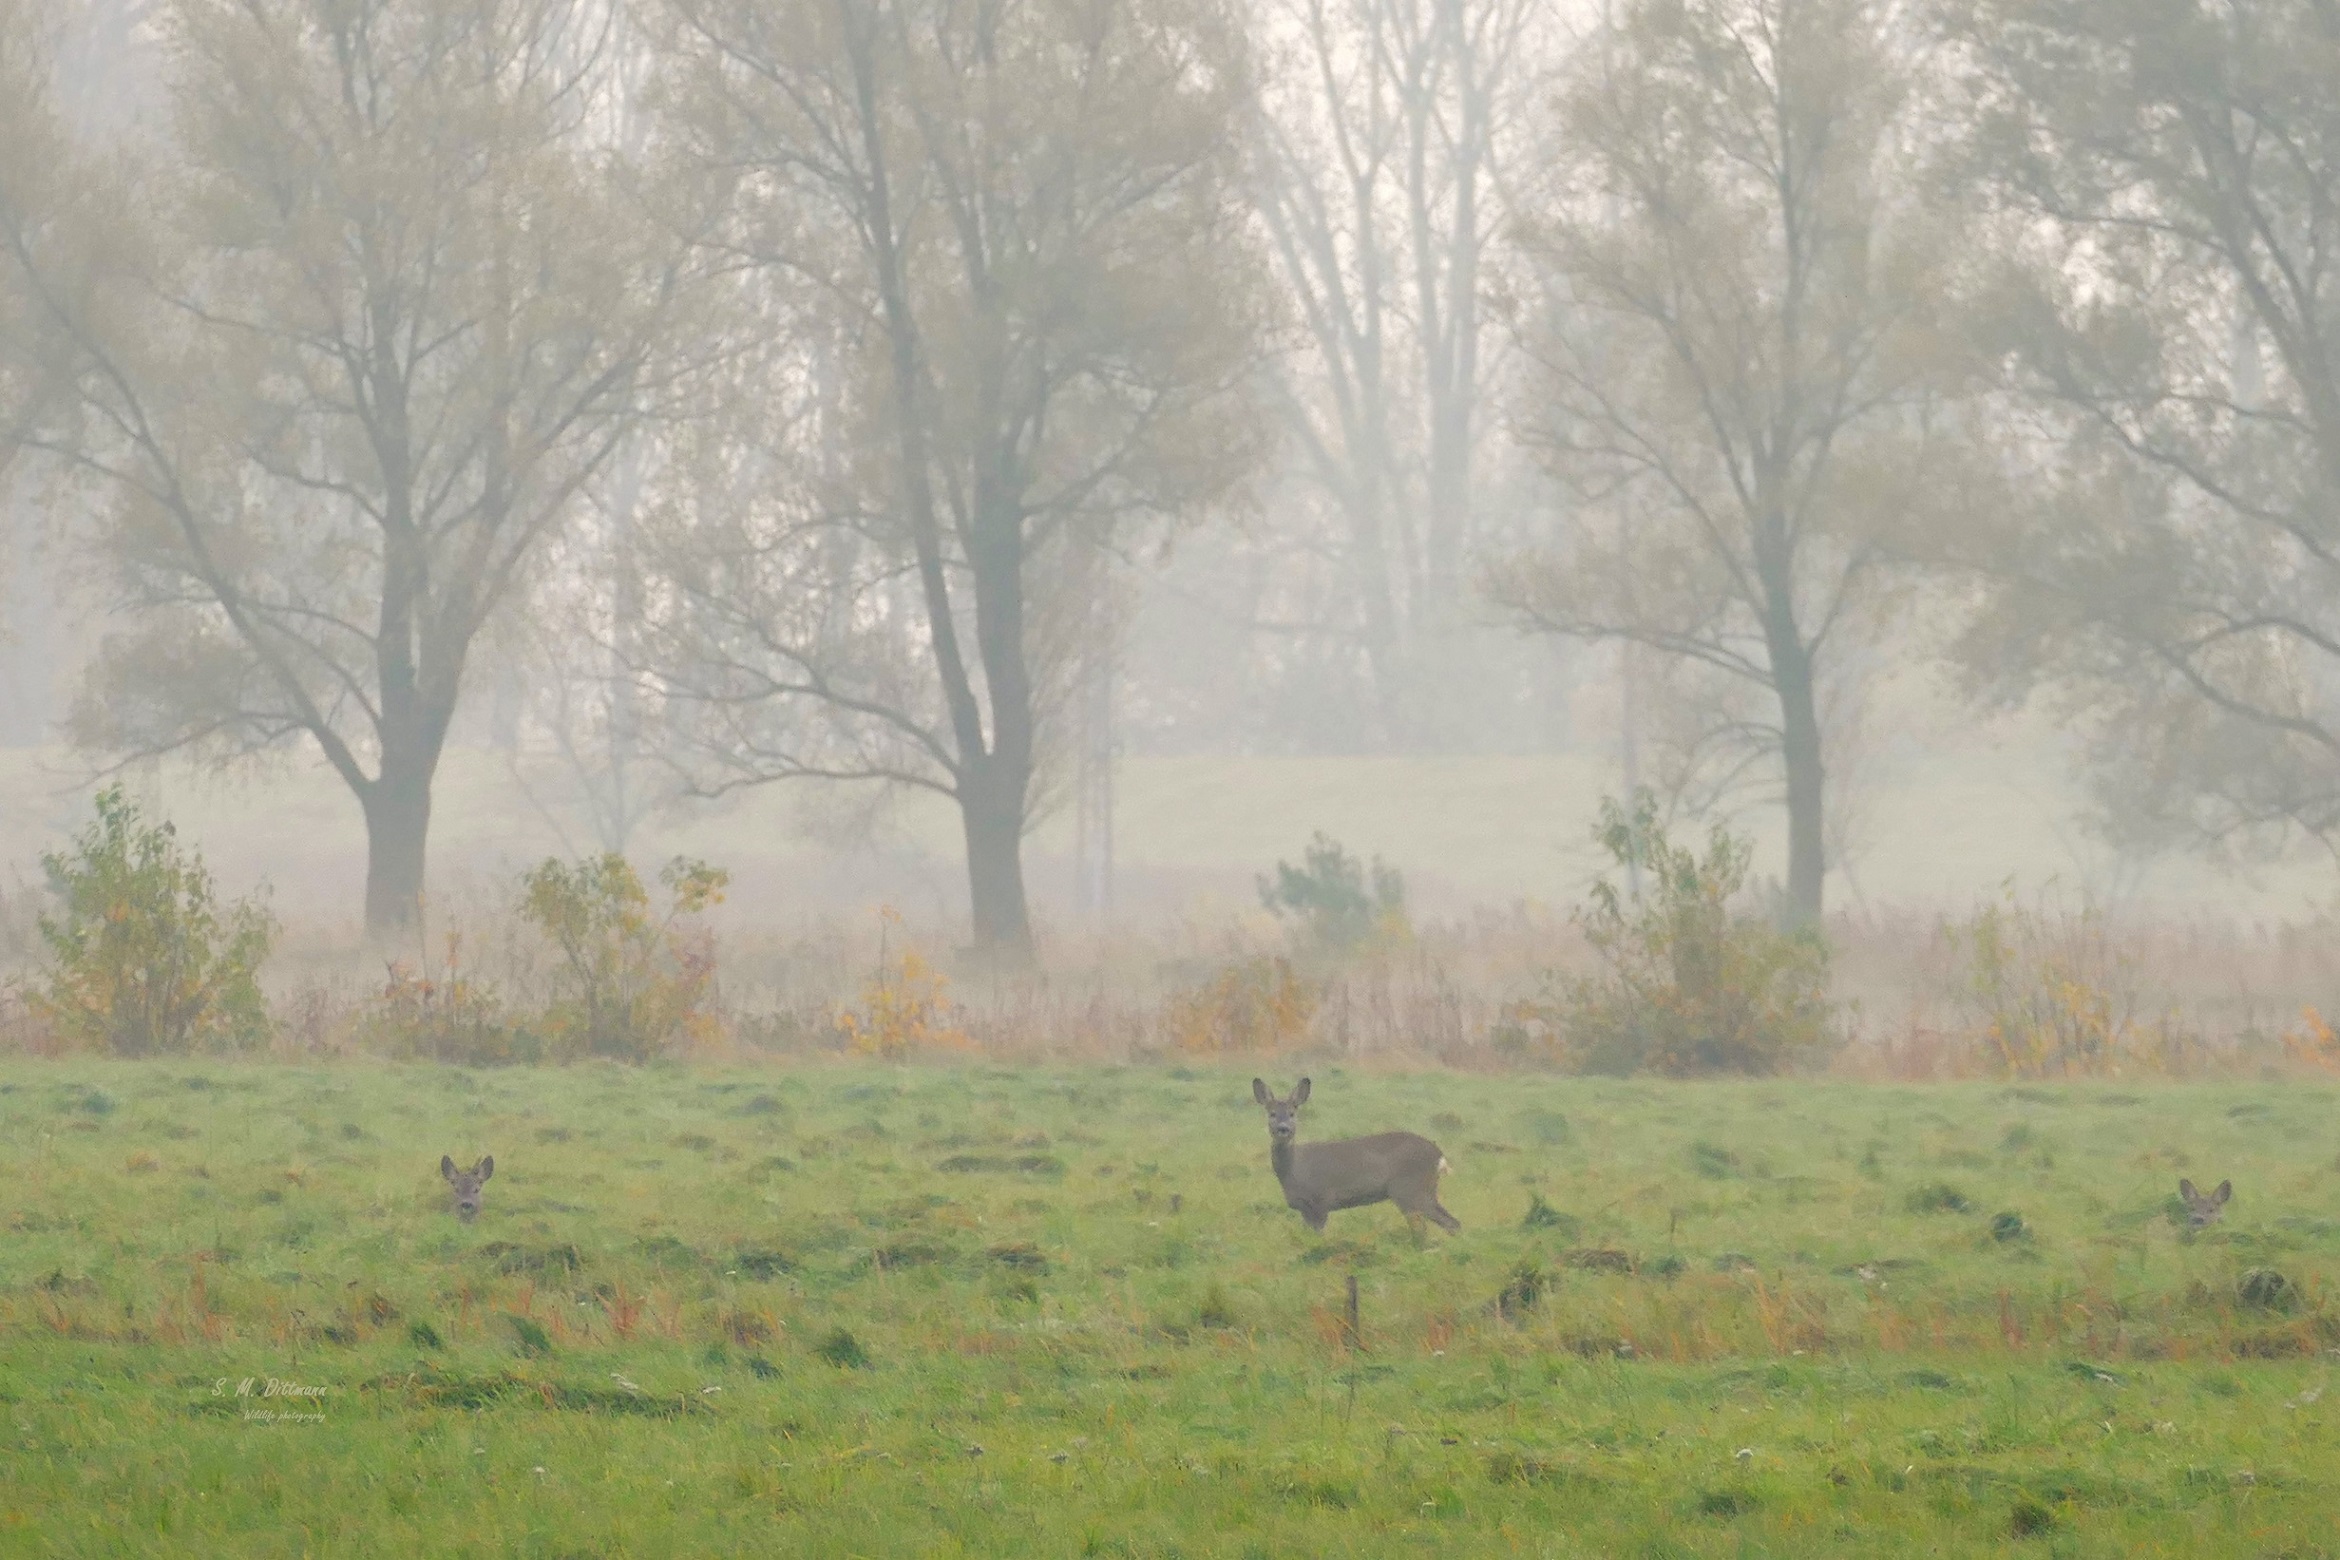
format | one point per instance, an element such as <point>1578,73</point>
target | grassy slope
<point>168,1225</point>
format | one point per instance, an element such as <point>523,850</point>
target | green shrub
<point>1329,895</point>
<point>1686,986</point>
<point>632,985</point>
<point>142,960</point>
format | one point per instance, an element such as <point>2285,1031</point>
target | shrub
<point>905,1005</point>
<point>1329,896</point>
<point>142,960</point>
<point>2049,994</point>
<point>632,984</point>
<point>1686,986</point>
<point>448,1016</point>
<point>1257,1004</point>
<point>2314,1044</point>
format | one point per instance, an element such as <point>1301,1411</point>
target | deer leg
<point>1451,1224</point>
<point>1414,1223</point>
<point>1315,1218</point>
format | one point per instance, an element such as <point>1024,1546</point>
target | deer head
<point>466,1184</point>
<point>2203,1211</point>
<point>1283,1115</point>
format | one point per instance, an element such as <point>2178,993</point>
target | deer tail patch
<point>1443,1166</point>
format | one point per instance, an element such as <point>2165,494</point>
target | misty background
<point>1034,464</point>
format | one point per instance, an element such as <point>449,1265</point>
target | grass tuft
<point>841,1349</point>
<point>2031,1519</point>
<point>1938,1197</point>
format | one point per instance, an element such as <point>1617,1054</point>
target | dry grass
<point>2190,998</point>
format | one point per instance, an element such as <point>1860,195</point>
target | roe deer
<point>2201,1211</point>
<point>466,1184</point>
<point>1321,1178</point>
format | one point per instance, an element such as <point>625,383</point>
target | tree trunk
<point>1386,660</point>
<point>1791,671</point>
<point>398,823</point>
<point>991,808</point>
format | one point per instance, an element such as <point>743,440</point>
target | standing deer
<point>466,1184</point>
<point>1321,1178</point>
<point>2203,1211</point>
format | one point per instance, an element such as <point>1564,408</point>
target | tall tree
<point>1383,140</point>
<point>1731,370</point>
<point>389,314</point>
<point>1002,253</point>
<point>2158,184</point>
<point>73,76</point>
<point>35,189</point>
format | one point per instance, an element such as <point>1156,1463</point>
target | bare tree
<point>389,315</point>
<point>1008,298</point>
<point>2160,188</point>
<point>1382,139</point>
<point>1730,373</point>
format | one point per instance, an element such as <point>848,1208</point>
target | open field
<point>1945,824</point>
<point>874,1311</point>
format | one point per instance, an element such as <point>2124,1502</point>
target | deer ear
<point>1300,1095</point>
<point>2225,1190</point>
<point>447,1166</point>
<point>2186,1189</point>
<point>1259,1090</point>
<point>487,1167</point>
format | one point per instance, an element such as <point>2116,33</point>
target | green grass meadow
<point>985,1311</point>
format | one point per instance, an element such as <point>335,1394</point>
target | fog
<point>1037,467</point>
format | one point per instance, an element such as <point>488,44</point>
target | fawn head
<point>467,1184</point>
<point>1284,1114</point>
<point>2203,1210</point>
